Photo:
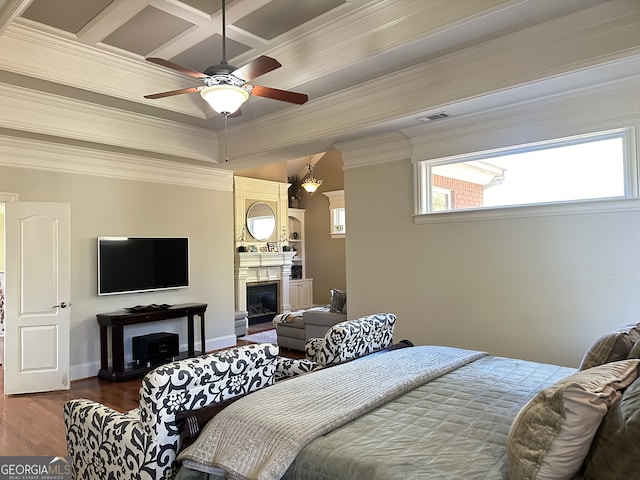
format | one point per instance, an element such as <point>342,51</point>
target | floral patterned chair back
<point>343,342</point>
<point>352,339</point>
<point>144,443</point>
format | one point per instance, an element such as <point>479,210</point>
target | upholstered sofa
<point>342,342</point>
<point>143,443</point>
<point>317,323</point>
<point>293,329</point>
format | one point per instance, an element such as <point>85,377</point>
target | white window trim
<point>631,202</point>
<point>336,200</point>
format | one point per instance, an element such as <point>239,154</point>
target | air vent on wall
<point>433,117</point>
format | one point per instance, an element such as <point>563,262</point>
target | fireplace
<point>262,302</point>
<point>260,268</point>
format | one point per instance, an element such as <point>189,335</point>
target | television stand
<point>118,320</point>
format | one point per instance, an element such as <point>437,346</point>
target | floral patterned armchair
<point>143,443</point>
<point>343,342</point>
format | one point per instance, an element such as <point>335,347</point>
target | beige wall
<point>106,206</point>
<point>276,172</point>
<point>537,288</point>
<point>326,260</point>
<point>541,288</point>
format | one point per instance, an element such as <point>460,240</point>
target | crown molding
<point>48,114</point>
<point>563,48</point>
<point>34,53</point>
<point>39,155</point>
<point>599,108</point>
<point>10,10</point>
<point>377,149</point>
<point>555,54</point>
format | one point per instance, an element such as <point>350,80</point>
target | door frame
<point>4,198</point>
<point>33,369</point>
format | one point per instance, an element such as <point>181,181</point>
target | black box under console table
<point>118,320</point>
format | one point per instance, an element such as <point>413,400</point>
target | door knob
<point>62,305</point>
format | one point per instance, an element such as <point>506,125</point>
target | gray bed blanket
<point>259,436</point>
<point>452,428</point>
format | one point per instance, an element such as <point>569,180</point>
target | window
<point>587,167</point>
<point>337,215</point>
<point>338,225</point>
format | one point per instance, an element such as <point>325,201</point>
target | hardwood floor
<point>33,424</point>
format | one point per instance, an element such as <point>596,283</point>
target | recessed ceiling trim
<point>183,11</point>
<point>109,20</point>
<point>48,114</point>
<point>182,42</point>
<point>10,10</point>
<point>245,37</point>
<point>41,55</point>
<point>29,153</point>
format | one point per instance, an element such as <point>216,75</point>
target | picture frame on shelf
<point>272,246</point>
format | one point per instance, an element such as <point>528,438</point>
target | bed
<point>434,412</point>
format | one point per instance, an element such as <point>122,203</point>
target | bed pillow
<point>551,435</point>
<point>635,350</point>
<point>615,452</point>
<point>611,347</point>
<point>338,299</point>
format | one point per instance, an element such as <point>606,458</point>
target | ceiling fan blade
<point>283,95</point>
<point>257,67</point>
<point>174,92</point>
<point>175,66</point>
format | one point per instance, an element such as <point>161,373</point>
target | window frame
<point>336,202</point>
<point>631,201</point>
<point>334,224</point>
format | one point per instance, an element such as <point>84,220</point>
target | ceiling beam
<point>10,10</point>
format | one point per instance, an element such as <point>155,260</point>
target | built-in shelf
<point>296,229</point>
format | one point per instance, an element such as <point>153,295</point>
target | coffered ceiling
<point>342,53</point>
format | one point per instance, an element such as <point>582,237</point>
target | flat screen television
<point>142,264</point>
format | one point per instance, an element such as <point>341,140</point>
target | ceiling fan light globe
<point>224,99</point>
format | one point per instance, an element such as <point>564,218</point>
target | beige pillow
<point>551,435</point>
<point>611,347</point>
<point>635,350</point>
<point>615,451</point>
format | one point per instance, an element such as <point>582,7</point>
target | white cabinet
<point>300,288</point>
<point>301,293</point>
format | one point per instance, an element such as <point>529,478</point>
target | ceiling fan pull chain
<point>226,156</point>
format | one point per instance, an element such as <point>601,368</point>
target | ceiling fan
<point>226,87</point>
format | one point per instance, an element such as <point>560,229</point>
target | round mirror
<point>261,221</point>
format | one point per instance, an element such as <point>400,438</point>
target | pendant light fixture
<point>310,184</point>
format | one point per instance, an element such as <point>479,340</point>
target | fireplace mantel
<point>264,259</point>
<point>255,267</point>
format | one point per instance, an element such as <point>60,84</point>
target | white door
<point>37,297</point>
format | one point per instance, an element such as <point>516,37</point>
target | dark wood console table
<point>118,320</point>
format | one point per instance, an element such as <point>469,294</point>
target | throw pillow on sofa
<point>338,300</point>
